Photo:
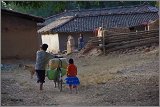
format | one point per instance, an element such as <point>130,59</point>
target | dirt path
<point>105,81</point>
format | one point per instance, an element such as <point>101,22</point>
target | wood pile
<point>131,40</point>
<point>116,31</point>
<point>91,48</point>
<point>121,41</point>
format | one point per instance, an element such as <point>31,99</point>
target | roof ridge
<point>96,9</point>
<point>115,14</point>
<point>54,15</point>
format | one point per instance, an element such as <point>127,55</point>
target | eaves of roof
<point>55,24</point>
<point>26,16</point>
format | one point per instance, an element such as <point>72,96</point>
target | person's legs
<point>76,88</point>
<point>76,83</point>
<point>79,46</point>
<point>82,45</point>
<point>70,87</point>
<point>41,86</point>
<point>38,76</point>
<point>41,78</point>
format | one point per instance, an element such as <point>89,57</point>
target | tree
<point>48,8</point>
<point>157,4</point>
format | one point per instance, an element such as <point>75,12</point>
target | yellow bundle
<point>61,62</point>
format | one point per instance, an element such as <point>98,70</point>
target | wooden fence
<point>113,42</point>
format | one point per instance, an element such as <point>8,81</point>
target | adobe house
<point>59,27</point>
<point>19,37</point>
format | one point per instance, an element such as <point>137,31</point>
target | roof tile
<point>88,20</point>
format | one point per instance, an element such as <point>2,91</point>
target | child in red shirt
<point>72,79</point>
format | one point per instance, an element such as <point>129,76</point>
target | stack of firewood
<point>91,44</point>
<point>131,40</point>
<point>122,41</point>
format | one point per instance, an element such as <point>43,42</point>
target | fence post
<point>103,41</point>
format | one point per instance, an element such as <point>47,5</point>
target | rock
<point>119,72</point>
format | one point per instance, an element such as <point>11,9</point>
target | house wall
<point>154,25</point>
<point>18,37</point>
<point>53,42</point>
<point>63,37</point>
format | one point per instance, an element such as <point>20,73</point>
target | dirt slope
<point>130,79</point>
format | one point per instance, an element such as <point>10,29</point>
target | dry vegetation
<point>126,79</point>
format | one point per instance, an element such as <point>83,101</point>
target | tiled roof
<point>88,22</point>
<point>27,16</point>
<point>113,10</point>
<point>55,24</point>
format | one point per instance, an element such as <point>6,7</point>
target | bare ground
<point>130,79</point>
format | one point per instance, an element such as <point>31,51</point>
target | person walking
<point>42,59</point>
<point>80,42</point>
<point>72,79</point>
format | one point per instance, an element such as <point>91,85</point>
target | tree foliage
<point>48,8</point>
